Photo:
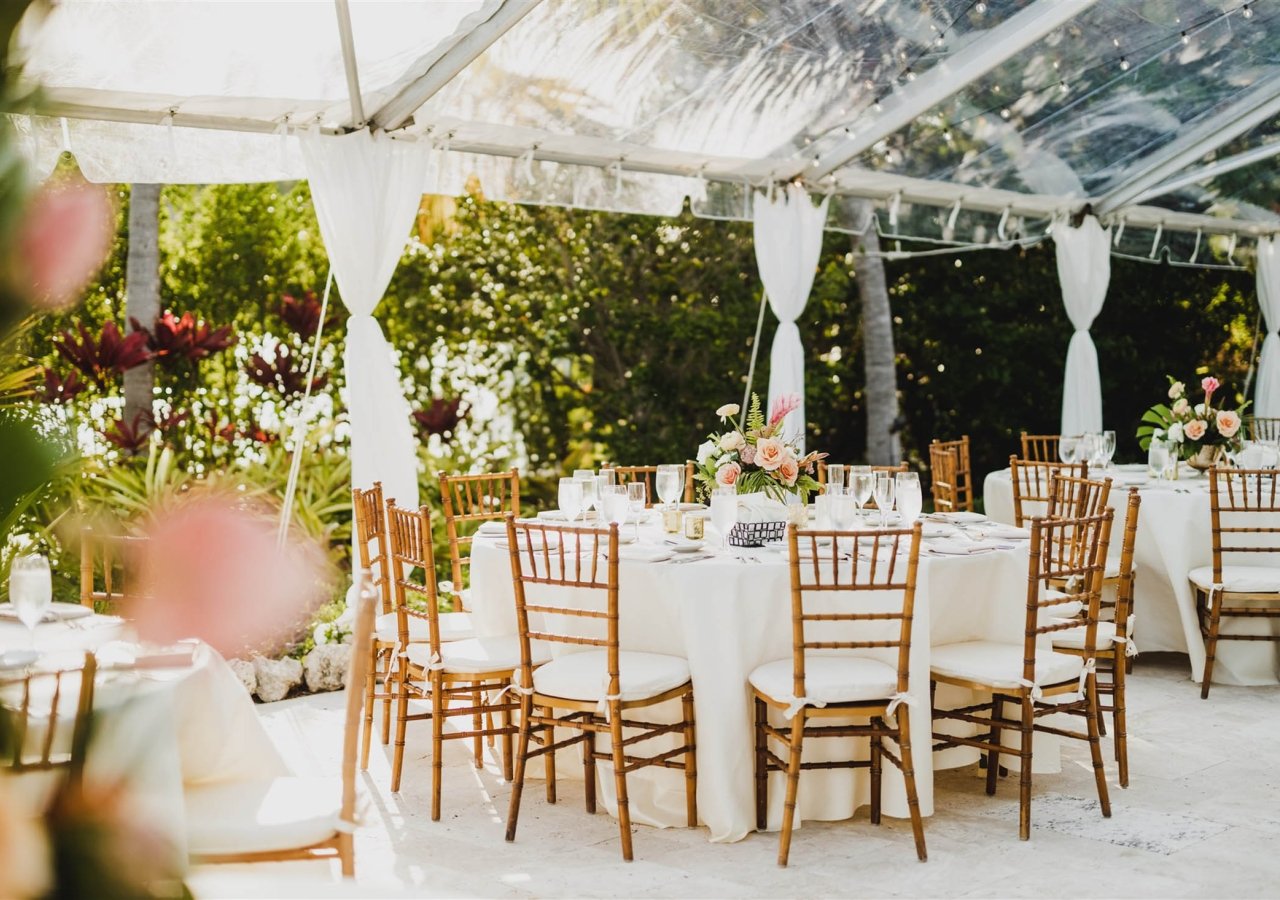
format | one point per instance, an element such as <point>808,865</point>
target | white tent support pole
<point>1212,170</point>
<point>950,76</point>
<point>1258,104</point>
<point>755,352</point>
<point>343,9</point>
<point>400,108</point>
<point>304,419</point>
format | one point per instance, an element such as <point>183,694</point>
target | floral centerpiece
<point>752,456</point>
<point>1197,432</point>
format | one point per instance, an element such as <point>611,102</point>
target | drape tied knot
<point>798,703</point>
<point>899,699</point>
<point>1037,693</point>
<point>1090,668</point>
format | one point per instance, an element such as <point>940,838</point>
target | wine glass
<point>570,498</point>
<point>637,496</point>
<point>884,495</point>
<point>670,483</point>
<point>1069,448</point>
<point>1108,448</point>
<point>589,496</point>
<point>30,590</point>
<point>909,499</point>
<point>862,482</point>
<point>835,479</point>
<point>724,512</point>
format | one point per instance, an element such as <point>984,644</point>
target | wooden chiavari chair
<point>468,501</point>
<point>647,474</point>
<point>48,697</point>
<point>1040,447</point>
<point>107,566</point>
<point>1262,428</point>
<point>1115,644</point>
<point>1071,497</point>
<point>849,676</point>
<point>597,686</point>
<point>1072,551</point>
<point>289,817</point>
<point>951,476</point>
<point>443,672</point>
<point>1033,482</point>
<point>1244,508</point>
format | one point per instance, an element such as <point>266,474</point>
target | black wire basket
<point>756,534</point>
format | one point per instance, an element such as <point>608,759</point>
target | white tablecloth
<point>727,617</point>
<point>1174,537</point>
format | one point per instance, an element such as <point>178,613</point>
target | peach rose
<point>727,475</point>
<point>770,452</point>
<point>789,471</point>
<point>1228,423</point>
<point>1195,429</point>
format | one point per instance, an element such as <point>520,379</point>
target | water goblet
<point>570,498</point>
<point>862,483</point>
<point>670,483</point>
<point>589,495</point>
<point>30,591</point>
<point>614,504</point>
<point>724,512</point>
<point>1069,448</point>
<point>909,499</point>
<point>637,495</point>
<point>884,495</point>
<point>1157,457</point>
<point>836,479</point>
<point>1108,448</point>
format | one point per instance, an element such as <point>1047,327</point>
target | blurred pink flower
<point>24,850</point>
<point>212,570</point>
<point>62,241</point>
<point>782,406</point>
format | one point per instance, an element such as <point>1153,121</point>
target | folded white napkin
<point>644,553</point>
<point>962,547</point>
<point>760,507</point>
<point>998,531</point>
<point>492,528</point>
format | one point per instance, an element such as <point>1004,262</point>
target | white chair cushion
<point>1074,638</point>
<point>284,813</point>
<point>828,679</point>
<point>1000,665</point>
<point>584,676</point>
<point>453,627</point>
<point>487,654</point>
<point>1245,579</point>
<point>1059,610</point>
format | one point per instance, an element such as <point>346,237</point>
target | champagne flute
<point>670,483</point>
<point>724,512</point>
<point>587,477</point>
<point>835,479</point>
<point>570,498</point>
<point>862,482</point>
<point>909,499</point>
<point>637,492</point>
<point>884,495</point>
<point>30,591</point>
<point>1108,448</point>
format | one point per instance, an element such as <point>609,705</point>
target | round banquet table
<point>727,616</point>
<point>1174,536</point>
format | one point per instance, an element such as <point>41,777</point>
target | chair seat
<point>1243,579</point>
<point>285,813</point>
<point>487,654</point>
<point>828,679</point>
<point>1000,665</point>
<point>584,676</point>
<point>1074,638</point>
<point>453,627</point>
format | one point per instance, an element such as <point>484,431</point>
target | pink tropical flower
<point>727,475</point>
<point>1209,384</point>
<point>782,406</point>
<point>789,471</point>
<point>1195,429</point>
<point>1228,423</point>
<point>770,453</point>
<point>62,241</point>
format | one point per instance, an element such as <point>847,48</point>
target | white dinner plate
<point>57,612</point>
<point>960,516</point>
<point>684,546</point>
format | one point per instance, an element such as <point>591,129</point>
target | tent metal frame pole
<point>343,9</point>
<point>946,79</point>
<point>1212,170</point>
<point>755,351</point>
<point>1258,104</point>
<point>399,110</point>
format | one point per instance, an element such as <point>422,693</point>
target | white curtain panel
<point>788,241</point>
<point>366,189</point>
<point>1084,269</point>
<point>1266,397</point>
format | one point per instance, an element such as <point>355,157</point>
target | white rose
<point>1199,408</point>
<point>705,449</point>
<point>732,441</point>
<point>1175,432</point>
<point>1180,408</point>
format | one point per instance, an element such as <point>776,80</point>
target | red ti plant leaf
<point>301,314</point>
<point>440,417</point>
<point>111,353</point>
<point>279,373</point>
<point>170,420</point>
<point>61,390</point>
<point>184,338</point>
<point>130,436</point>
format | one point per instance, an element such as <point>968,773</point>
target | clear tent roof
<point>1165,114</point>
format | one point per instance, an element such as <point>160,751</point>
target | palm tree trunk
<point>883,445</point>
<point>142,295</point>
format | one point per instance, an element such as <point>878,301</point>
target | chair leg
<point>438,704</point>
<point>1095,744</point>
<point>690,761</point>
<point>347,855</point>
<point>402,712</point>
<point>507,765</point>
<point>1211,645</point>
<point>1119,722</point>
<point>909,780</point>
<point>550,758</point>
<point>477,725</point>
<point>589,769</point>
<point>619,777</point>
<point>522,753</point>
<point>1027,729</point>
<point>762,765</point>
<point>993,756</point>
<point>877,761</point>
<point>367,736</point>
<point>488,724</point>
<point>388,681</point>
<point>795,748</point>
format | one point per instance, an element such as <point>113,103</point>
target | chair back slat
<point>944,468</point>
<point>107,565</point>
<point>357,673</point>
<point>371,541</point>
<point>1040,447</point>
<point>1263,428</point>
<point>409,534</point>
<point>1071,497</point>
<point>1243,504</point>
<point>860,580</point>
<point>962,478</point>
<point>41,696</point>
<point>468,501</point>
<point>1032,483</point>
<point>649,474</point>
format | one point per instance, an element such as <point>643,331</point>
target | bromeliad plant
<point>1190,428</point>
<point>753,457</point>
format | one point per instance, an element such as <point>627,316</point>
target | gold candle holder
<point>694,527</point>
<point>671,519</point>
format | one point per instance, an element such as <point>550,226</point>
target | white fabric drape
<point>788,241</point>
<point>1084,269</point>
<point>1266,397</point>
<point>366,189</point>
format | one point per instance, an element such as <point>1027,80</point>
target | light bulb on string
<point>1124,64</point>
<point>1246,11</point>
<point>980,8</point>
<point>1186,39</point>
<point>911,76</point>
<point>877,105</point>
